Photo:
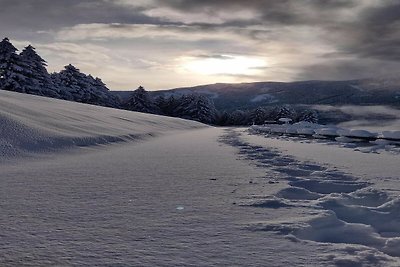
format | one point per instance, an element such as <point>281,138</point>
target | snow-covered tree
<point>283,112</point>
<point>76,86</point>
<point>101,94</point>
<point>38,79</point>
<point>73,84</point>
<point>13,70</point>
<point>308,115</point>
<point>141,101</point>
<point>259,116</point>
<point>240,117</point>
<point>167,105</point>
<point>162,104</point>
<point>196,107</point>
<point>171,105</point>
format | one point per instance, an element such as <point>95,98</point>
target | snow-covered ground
<point>85,185</point>
<point>38,124</point>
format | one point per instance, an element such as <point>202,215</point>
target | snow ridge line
<point>349,211</point>
<point>18,139</point>
<point>54,144</point>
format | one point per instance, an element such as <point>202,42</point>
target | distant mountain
<point>336,93</point>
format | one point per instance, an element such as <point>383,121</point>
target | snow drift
<point>37,124</point>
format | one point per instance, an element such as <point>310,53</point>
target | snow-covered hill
<point>33,123</point>
<point>184,194</point>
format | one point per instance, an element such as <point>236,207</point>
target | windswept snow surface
<point>188,196</point>
<point>38,124</point>
<point>345,197</point>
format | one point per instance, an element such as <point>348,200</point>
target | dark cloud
<point>377,33</point>
<point>286,12</point>
<point>45,15</point>
<point>195,5</point>
<point>341,38</point>
<point>348,69</point>
<point>372,32</point>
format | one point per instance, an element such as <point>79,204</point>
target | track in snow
<point>347,209</point>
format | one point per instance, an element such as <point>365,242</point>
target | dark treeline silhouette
<point>26,72</point>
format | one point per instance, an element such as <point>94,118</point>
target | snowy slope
<point>345,198</point>
<point>190,195</point>
<point>32,123</point>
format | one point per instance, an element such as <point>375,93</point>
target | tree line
<point>26,72</point>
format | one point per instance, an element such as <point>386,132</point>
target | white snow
<point>173,192</point>
<point>361,134</point>
<point>354,203</point>
<point>391,135</point>
<point>365,141</point>
<point>32,124</point>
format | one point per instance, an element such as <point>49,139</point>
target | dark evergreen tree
<point>196,107</point>
<point>38,80</point>
<point>172,105</point>
<point>13,71</point>
<point>259,116</point>
<point>222,118</point>
<point>308,115</point>
<point>101,94</point>
<point>240,117</point>
<point>73,84</point>
<point>283,112</point>
<point>162,104</point>
<point>141,101</point>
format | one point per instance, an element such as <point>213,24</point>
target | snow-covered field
<point>39,124</point>
<point>85,185</point>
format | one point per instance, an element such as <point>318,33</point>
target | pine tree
<point>100,92</point>
<point>239,117</point>
<point>259,116</point>
<point>141,101</point>
<point>171,106</point>
<point>76,86</point>
<point>308,115</point>
<point>162,104</point>
<point>283,112</point>
<point>13,71</point>
<point>73,84</point>
<point>196,107</point>
<point>38,79</point>
<point>222,118</point>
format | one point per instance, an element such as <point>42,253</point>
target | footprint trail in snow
<point>343,209</point>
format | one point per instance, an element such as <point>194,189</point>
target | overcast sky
<point>163,44</point>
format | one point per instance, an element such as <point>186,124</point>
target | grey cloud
<point>378,32</point>
<point>44,15</point>
<point>286,12</point>
<point>223,57</point>
<point>370,32</point>
<point>348,69</point>
<point>359,39</point>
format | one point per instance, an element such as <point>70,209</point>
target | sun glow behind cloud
<point>153,42</point>
<point>223,65</point>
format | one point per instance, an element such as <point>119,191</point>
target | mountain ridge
<point>230,96</point>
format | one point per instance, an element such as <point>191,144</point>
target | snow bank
<point>395,135</point>
<point>357,139</point>
<point>36,124</point>
<point>323,131</point>
<point>323,204</point>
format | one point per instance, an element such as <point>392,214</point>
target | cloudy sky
<point>163,44</point>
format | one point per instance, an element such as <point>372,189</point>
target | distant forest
<point>26,72</point>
